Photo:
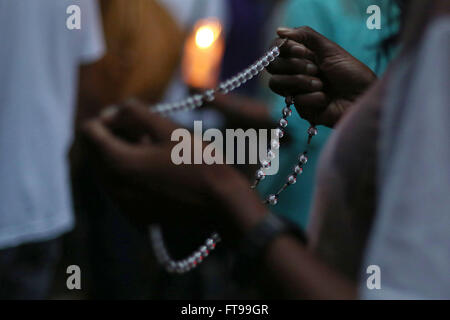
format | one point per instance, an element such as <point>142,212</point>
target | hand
<point>131,152</point>
<point>323,78</point>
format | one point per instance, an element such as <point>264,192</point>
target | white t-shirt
<point>39,62</point>
<point>410,241</point>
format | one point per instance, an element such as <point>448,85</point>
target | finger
<point>310,105</point>
<point>291,85</point>
<point>314,100</point>
<point>292,66</point>
<point>109,148</point>
<point>313,40</point>
<point>293,49</point>
<point>136,116</point>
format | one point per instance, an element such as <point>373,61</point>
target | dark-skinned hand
<point>323,78</point>
<point>131,152</point>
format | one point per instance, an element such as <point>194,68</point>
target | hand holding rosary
<point>197,101</point>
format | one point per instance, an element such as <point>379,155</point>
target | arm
<point>288,264</point>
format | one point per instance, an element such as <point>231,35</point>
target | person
<point>40,62</point>
<point>365,194</point>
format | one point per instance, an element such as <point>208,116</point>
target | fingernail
<point>283,29</point>
<point>109,112</point>
<point>316,84</point>
<point>311,69</point>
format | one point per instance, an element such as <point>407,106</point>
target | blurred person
<point>367,185</point>
<point>40,61</point>
<point>343,22</point>
<point>143,49</point>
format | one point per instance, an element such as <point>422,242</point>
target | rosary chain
<point>197,101</point>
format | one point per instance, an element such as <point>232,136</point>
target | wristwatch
<point>256,242</point>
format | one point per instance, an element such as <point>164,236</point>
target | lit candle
<point>203,53</point>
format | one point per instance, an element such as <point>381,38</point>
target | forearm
<point>289,264</point>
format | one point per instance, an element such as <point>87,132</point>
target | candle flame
<point>203,53</point>
<point>206,35</point>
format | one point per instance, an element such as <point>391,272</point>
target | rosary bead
<point>242,78</point>
<point>171,266</point>
<point>303,159</point>
<point>215,236</point>
<point>271,155</point>
<point>292,180</point>
<point>210,244</point>
<point>254,70</point>
<point>191,261</point>
<point>198,99</point>
<point>275,51</point>
<point>260,175</point>
<point>275,144</point>
<point>198,257</point>
<point>287,112</point>
<point>272,199</point>
<point>191,103</point>
<point>298,170</point>
<point>283,123</point>
<point>279,133</point>
<point>312,131</point>
<point>204,251</point>
<point>270,57</point>
<point>265,164</point>
<point>259,66</point>
<point>265,62</point>
<point>289,100</point>
<point>235,81</point>
<point>209,95</point>
<point>248,74</point>
<point>223,88</point>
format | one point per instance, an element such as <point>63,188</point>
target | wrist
<point>240,208</point>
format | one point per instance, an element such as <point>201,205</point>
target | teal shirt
<point>344,23</point>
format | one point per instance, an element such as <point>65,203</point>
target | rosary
<point>198,100</point>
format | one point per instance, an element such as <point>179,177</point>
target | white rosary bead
<point>287,112</point>
<point>272,199</point>
<point>209,95</point>
<point>265,62</point>
<point>270,57</point>
<point>171,266</point>
<point>236,83</point>
<point>198,257</point>
<point>260,175</point>
<point>210,244</point>
<point>198,99</point>
<point>259,66</point>
<point>265,164</point>
<point>275,51</point>
<point>275,144</point>
<point>289,100</point>
<point>312,131</point>
<point>298,170</point>
<point>248,74</point>
<point>283,123</point>
<point>292,180</point>
<point>190,103</point>
<point>192,262</point>
<point>279,133</point>
<point>204,251</point>
<point>303,159</point>
<point>223,88</point>
<point>254,70</point>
